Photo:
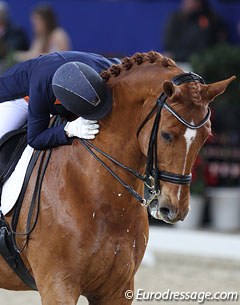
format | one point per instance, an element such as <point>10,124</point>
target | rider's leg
<point>13,115</point>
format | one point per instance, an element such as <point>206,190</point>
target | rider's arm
<point>39,135</point>
<point>42,137</point>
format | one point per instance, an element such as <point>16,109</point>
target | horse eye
<point>167,137</point>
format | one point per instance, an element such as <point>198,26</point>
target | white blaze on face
<point>189,136</point>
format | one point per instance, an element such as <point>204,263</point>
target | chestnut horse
<point>91,233</point>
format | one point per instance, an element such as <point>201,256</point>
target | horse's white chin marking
<point>189,135</point>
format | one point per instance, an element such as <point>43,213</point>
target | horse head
<point>182,127</point>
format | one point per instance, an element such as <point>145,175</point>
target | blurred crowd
<point>193,29</point>
<point>48,36</point>
<point>12,37</point>
<point>190,30</point>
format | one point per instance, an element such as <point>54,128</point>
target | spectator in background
<point>11,37</point>
<point>48,36</point>
<point>193,29</point>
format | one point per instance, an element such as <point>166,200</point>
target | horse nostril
<point>168,212</point>
<point>165,211</point>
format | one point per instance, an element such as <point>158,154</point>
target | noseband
<point>153,175</point>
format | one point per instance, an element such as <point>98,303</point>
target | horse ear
<point>171,90</point>
<point>211,91</point>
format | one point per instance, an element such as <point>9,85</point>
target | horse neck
<point>118,131</point>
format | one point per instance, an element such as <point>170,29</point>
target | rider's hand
<point>81,128</point>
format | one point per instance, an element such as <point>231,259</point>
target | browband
<point>187,78</point>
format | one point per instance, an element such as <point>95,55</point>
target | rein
<point>152,175</point>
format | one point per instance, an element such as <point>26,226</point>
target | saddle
<point>12,146</point>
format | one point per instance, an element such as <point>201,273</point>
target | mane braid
<point>137,59</point>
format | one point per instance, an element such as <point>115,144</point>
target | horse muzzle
<point>163,209</point>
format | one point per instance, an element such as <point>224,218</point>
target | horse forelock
<point>194,89</point>
<point>136,60</point>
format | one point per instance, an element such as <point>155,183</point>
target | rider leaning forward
<point>70,77</point>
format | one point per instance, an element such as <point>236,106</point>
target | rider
<point>73,79</point>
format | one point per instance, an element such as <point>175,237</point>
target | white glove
<point>81,128</point>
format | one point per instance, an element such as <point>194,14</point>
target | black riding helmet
<point>81,90</point>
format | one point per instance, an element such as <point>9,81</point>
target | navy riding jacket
<point>33,78</point>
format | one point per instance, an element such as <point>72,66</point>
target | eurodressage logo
<point>199,297</point>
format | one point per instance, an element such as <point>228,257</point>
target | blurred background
<point>203,37</point>
<point>122,27</point>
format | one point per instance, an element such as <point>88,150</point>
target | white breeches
<point>13,115</point>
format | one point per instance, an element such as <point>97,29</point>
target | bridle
<point>153,175</point>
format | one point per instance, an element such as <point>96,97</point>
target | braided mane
<point>137,59</point>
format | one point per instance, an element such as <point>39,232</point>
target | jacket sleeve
<point>14,82</point>
<point>39,135</point>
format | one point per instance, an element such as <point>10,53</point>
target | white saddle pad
<point>12,187</point>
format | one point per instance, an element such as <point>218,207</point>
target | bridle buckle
<point>154,196</point>
<point>150,182</point>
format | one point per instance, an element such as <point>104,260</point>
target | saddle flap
<point>12,146</point>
